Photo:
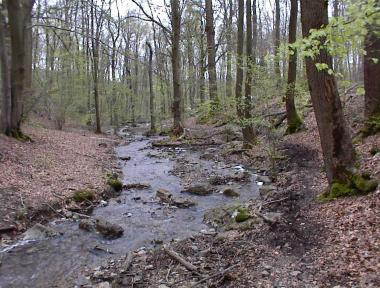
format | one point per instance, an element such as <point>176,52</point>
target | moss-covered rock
<point>80,196</point>
<point>242,215</point>
<point>115,184</point>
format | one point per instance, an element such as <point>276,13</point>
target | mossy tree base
<point>357,186</point>
<point>295,125</point>
<point>371,126</point>
<point>19,135</point>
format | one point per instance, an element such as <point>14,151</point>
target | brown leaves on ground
<point>56,163</point>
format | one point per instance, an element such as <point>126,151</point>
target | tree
<point>151,92</point>
<point>248,132</point>
<point>176,65</point>
<point>211,65</point>
<point>294,121</point>
<point>277,40</point>
<point>19,14</point>
<point>96,29</point>
<point>338,151</point>
<point>371,79</point>
<point>5,75</point>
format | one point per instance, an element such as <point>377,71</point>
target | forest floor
<point>36,176</point>
<point>334,244</point>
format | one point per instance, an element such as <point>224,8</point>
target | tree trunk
<point>151,92</point>
<point>202,66</point>
<point>176,66</point>
<point>371,80</point>
<point>240,62</point>
<point>337,148</point>
<point>19,13</point>
<point>248,132</point>
<point>229,92</point>
<point>294,121</point>
<point>277,41</point>
<point>5,77</point>
<point>211,65</point>
<point>95,67</point>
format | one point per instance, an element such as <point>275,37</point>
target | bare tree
<point>294,121</point>
<point>151,91</point>
<point>176,65</point>
<point>211,64</point>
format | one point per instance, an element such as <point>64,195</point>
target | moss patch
<point>115,183</point>
<point>371,126</point>
<point>295,125</point>
<point>80,196</point>
<point>242,215</point>
<point>17,134</point>
<point>358,186</point>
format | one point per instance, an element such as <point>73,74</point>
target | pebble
<point>103,285</point>
<point>295,273</point>
<point>265,273</point>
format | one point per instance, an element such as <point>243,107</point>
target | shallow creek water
<point>57,262</point>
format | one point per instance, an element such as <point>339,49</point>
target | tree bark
<point>294,121</point>
<point>19,13</point>
<point>371,80</point>
<point>211,65</point>
<point>240,61</point>
<point>248,132</point>
<point>202,66</point>
<point>277,41</point>
<point>337,148</point>
<point>176,66</point>
<point>151,92</point>
<point>229,92</point>
<point>5,77</point>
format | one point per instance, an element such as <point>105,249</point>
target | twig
<point>58,196</point>
<point>54,210</point>
<point>128,261</point>
<point>215,275</point>
<point>180,259</point>
<point>275,201</point>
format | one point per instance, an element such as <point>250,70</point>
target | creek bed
<point>59,261</point>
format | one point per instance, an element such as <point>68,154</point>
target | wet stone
<point>108,230</point>
<point>230,192</point>
<point>40,232</point>
<point>198,189</point>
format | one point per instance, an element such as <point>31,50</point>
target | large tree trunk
<point>248,132</point>
<point>151,92</point>
<point>240,61</point>
<point>176,66</point>
<point>5,77</point>
<point>19,13</point>
<point>371,80</point>
<point>210,32</point>
<point>337,148</point>
<point>294,121</point>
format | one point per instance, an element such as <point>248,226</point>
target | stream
<point>59,261</point>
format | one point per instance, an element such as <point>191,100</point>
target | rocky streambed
<point>167,191</point>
